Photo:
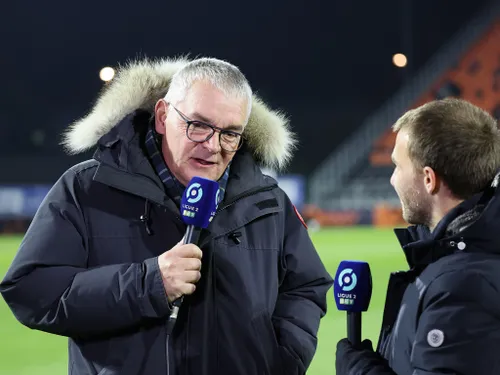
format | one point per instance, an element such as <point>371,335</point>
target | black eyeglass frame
<point>212,127</point>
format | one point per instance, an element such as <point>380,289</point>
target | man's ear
<point>432,182</point>
<point>161,111</point>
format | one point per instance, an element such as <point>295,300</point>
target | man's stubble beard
<point>416,208</point>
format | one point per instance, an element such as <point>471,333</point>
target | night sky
<point>327,64</point>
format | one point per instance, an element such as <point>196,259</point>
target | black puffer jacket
<point>87,267</point>
<point>443,316</point>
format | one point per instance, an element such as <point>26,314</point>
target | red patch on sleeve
<point>300,216</point>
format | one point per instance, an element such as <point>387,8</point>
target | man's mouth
<point>204,162</point>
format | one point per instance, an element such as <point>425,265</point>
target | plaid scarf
<point>173,187</point>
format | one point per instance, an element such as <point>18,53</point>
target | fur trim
<point>139,84</point>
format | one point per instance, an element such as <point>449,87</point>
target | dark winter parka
<point>443,315</point>
<point>87,267</point>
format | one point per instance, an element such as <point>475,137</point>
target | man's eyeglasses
<point>199,132</point>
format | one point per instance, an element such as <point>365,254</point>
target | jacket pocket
<point>268,344</point>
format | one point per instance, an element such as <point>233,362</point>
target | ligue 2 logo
<point>194,193</point>
<point>349,278</point>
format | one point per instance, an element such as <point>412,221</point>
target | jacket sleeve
<point>302,296</point>
<point>49,288</point>
<point>458,333</point>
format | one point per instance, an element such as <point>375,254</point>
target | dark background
<point>327,64</point>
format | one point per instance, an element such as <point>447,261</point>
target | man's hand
<point>360,360</point>
<point>180,269</point>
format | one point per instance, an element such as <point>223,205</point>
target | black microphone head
<point>353,286</point>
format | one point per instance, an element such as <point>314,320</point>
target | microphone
<point>353,291</point>
<point>198,205</point>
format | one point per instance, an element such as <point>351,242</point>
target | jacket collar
<point>423,247</point>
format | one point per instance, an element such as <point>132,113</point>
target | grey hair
<point>223,75</point>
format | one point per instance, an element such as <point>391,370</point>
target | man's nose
<point>213,144</point>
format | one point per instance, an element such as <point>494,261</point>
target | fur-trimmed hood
<point>140,84</point>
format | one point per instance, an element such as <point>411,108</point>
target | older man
<point>103,258</point>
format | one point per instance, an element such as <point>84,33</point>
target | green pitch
<point>27,352</point>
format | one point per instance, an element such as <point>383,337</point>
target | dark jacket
<point>443,315</point>
<point>87,269</point>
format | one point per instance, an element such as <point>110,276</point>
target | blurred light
<point>107,74</point>
<point>38,137</point>
<point>399,60</point>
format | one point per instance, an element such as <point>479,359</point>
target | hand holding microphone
<point>180,269</point>
<point>353,291</point>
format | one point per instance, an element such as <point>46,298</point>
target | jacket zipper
<point>237,198</point>
<point>168,357</point>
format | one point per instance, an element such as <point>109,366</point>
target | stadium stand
<point>476,78</point>
<point>468,68</point>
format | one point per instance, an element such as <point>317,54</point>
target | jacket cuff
<point>156,302</point>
